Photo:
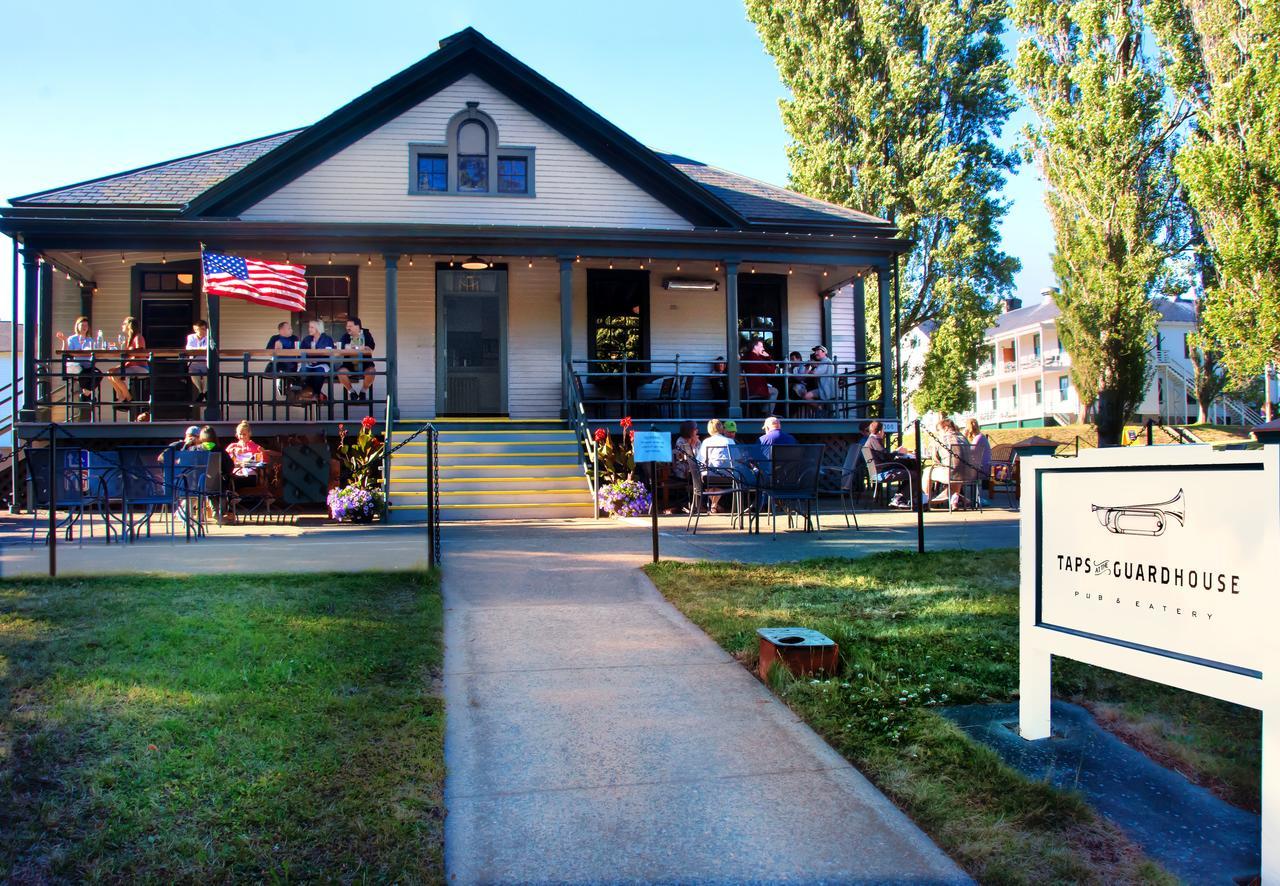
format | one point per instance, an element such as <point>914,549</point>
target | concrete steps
<point>491,469</point>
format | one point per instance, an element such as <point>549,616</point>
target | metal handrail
<point>586,439</point>
<point>631,374</point>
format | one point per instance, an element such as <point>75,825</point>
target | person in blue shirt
<point>774,434</point>
<point>359,339</point>
<point>316,370</point>
<point>82,366</point>
<point>283,340</point>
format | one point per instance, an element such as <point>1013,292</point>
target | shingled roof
<point>171,183</point>
<point>176,182</point>
<point>762,203</point>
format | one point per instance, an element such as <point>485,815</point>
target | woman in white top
<point>714,458</point>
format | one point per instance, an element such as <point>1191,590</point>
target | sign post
<point>652,447</point>
<point>1155,562</point>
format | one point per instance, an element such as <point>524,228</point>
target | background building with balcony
<point>1025,381</point>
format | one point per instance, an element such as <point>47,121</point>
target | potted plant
<point>361,499</point>
<point>619,494</point>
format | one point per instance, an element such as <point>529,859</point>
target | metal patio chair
<point>147,484</point>
<point>793,483</point>
<point>67,478</point>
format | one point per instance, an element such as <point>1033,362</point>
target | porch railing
<point>586,437</point>
<point>693,388</point>
<point>256,385</point>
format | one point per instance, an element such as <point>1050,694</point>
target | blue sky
<point>91,88</point>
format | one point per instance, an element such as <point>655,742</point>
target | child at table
<point>246,455</point>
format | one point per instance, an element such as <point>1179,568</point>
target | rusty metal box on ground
<point>801,650</point>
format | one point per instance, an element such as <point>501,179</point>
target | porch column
<point>860,339</point>
<point>212,405</point>
<point>566,336</point>
<point>731,338</point>
<point>392,345</point>
<point>887,407</point>
<point>30,311</point>
<point>45,331</point>
<point>826,296</point>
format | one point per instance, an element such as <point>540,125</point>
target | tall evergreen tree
<point>895,109</point>
<point>1225,60</point>
<point>1103,141</point>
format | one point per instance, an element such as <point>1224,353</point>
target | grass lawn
<point>235,727</point>
<point>917,632</point>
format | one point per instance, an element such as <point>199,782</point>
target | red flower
<point>601,434</point>
<point>342,432</point>
<point>631,435</point>
<point>368,422</point>
<point>626,421</point>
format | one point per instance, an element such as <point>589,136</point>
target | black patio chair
<point>710,481</point>
<point>148,484</point>
<point>190,487</point>
<point>887,473</point>
<point>848,477</point>
<point>66,476</point>
<point>793,483</point>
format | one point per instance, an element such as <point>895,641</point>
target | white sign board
<point>1157,562</point>
<point>651,446</point>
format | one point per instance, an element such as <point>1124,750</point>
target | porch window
<point>331,299</point>
<point>1039,392</point>
<point>617,319</point>
<point>761,312</point>
<point>1063,383</point>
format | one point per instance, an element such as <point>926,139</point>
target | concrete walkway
<point>325,548</point>
<point>596,735</point>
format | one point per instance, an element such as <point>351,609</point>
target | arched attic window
<point>471,161</point>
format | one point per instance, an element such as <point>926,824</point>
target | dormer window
<point>471,161</point>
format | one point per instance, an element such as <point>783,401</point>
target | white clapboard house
<point>529,272</point>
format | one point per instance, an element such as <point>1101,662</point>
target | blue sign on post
<point>652,446</point>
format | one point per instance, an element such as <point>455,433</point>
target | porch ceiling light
<point>683,283</point>
<point>475,263</point>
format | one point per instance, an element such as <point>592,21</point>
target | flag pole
<point>212,404</point>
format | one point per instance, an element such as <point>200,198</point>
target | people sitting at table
<point>315,370</point>
<point>189,442</point>
<point>83,366</point>
<point>132,340</point>
<point>756,369</point>
<point>893,465</point>
<point>774,434</point>
<point>198,340</point>
<point>715,460</point>
<point>951,460</point>
<point>283,340</point>
<point>980,454</point>
<point>360,339</point>
<point>246,456</point>
<point>684,457</point>
<point>822,372</point>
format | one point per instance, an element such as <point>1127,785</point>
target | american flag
<point>273,284</point>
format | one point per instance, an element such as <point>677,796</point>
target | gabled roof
<point>226,181</point>
<point>466,52</point>
<point>173,183</point>
<point>1170,311</point>
<point>1029,316</point>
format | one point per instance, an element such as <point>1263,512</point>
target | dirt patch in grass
<point>221,728</point>
<point>919,632</point>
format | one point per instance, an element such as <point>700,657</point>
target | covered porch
<point>578,324</point>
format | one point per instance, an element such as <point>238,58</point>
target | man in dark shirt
<point>774,434</point>
<point>357,338</point>
<point>283,340</point>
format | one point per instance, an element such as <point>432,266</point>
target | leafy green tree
<point>1224,60</point>
<point>1103,141</point>
<point>895,109</point>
